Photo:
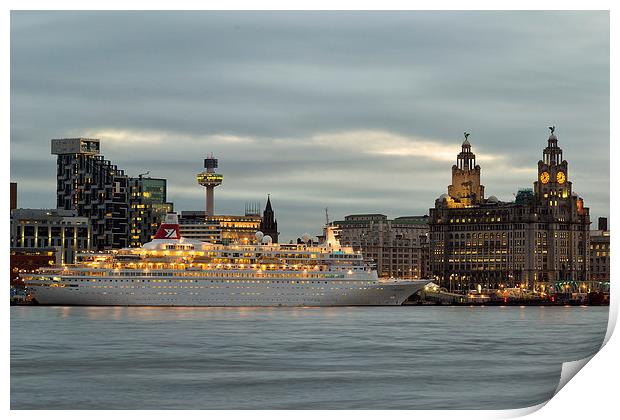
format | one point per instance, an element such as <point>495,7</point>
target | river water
<point>295,358</point>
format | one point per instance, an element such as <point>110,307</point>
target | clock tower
<point>552,187</point>
<point>561,228</point>
<point>539,241</point>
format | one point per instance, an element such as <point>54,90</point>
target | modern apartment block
<point>94,188</point>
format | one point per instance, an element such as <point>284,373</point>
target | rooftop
<point>412,220</point>
<point>359,219</point>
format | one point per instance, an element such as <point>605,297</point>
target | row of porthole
<point>176,293</point>
<point>220,281</point>
<point>236,287</point>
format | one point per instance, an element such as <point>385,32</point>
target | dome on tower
<point>492,199</point>
<point>443,196</point>
<point>466,142</point>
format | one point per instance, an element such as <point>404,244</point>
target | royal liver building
<point>539,241</point>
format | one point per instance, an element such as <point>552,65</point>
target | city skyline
<point>311,107</point>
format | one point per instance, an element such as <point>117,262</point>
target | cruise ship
<point>175,271</point>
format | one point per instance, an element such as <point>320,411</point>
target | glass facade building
<point>148,208</point>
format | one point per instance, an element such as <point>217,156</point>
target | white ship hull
<point>108,292</point>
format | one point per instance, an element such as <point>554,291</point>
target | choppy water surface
<point>295,358</point>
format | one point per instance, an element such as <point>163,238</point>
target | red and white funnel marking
<point>170,228</point>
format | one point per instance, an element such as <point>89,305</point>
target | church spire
<point>269,224</point>
<point>268,206</point>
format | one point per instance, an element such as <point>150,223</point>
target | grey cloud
<point>504,76</point>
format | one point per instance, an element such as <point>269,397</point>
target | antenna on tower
<point>326,216</point>
<point>252,208</point>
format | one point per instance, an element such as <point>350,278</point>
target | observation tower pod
<point>209,179</point>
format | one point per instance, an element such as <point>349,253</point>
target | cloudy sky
<point>358,112</point>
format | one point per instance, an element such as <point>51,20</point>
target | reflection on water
<point>312,358</point>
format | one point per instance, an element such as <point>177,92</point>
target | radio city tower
<point>209,179</point>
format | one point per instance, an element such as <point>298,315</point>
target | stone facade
<point>539,241</point>
<point>466,185</point>
<point>62,230</point>
<point>398,247</point>
<point>600,260</point>
<point>13,198</point>
<point>30,260</point>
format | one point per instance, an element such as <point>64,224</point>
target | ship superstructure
<point>175,271</point>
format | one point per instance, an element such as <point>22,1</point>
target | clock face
<point>544,177</point>
<point>561,177</point>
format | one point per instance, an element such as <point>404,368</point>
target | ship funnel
<point>170,228</point>
<point>330,238</point>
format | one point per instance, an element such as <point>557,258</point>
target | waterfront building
<point>13,195</point>
<point>229,229</point>
<point>540,240</point>
<point>45,228</point>
<point>599,256</point>
<point>94,188</point>
<point>398,247</point>
<point>193,225</point>
<point>237,229</point>
<point>149,207</point>
<point>466,188</point>
<point>269,224</point>
<point>220,229</point>
<point>29,260</point>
